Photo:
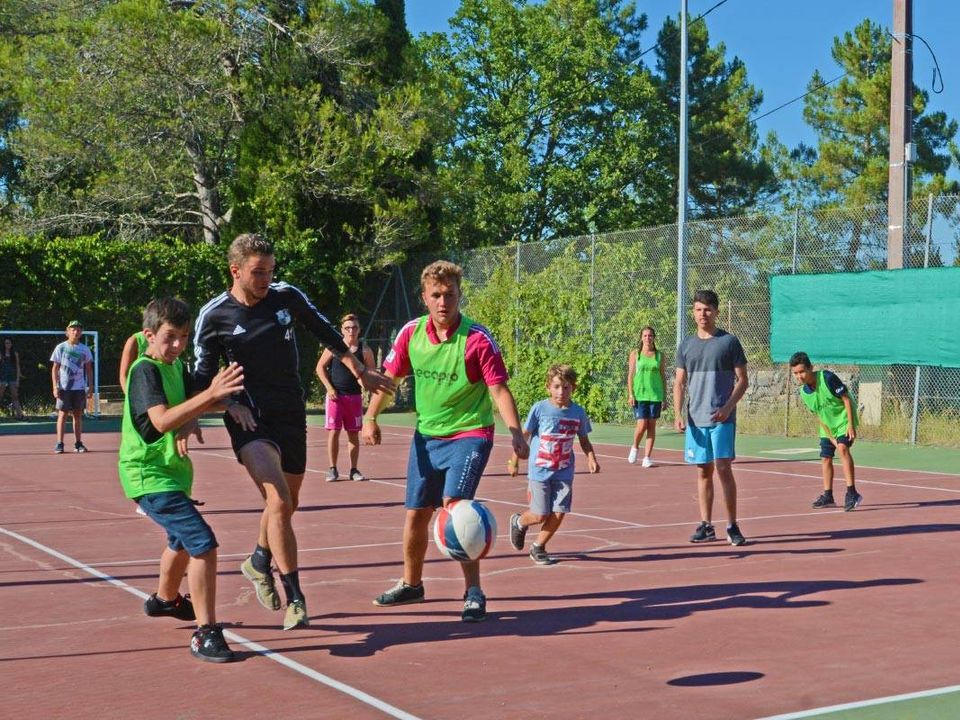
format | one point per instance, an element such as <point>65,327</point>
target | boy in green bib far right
<point>828,398</point>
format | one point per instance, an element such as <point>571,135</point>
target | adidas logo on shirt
<point>238,330</point>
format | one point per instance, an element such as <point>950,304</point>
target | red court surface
<point>819,608</point>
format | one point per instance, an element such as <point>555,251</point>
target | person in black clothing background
<point>252,325</point>
<point>344,405</point>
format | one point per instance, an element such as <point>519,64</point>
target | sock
<point>291,586</point>
<point>851,489</point>
<point>261,559</point>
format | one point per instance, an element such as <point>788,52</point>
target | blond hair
<point>442,271</point>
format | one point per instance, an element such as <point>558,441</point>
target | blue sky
<point>783,41</point>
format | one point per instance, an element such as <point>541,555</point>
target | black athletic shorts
<point>287,432</point>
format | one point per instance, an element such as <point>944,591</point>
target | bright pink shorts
<point>346,412</point>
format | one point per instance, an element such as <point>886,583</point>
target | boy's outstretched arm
<point>587,447</point>
<point>171,417</point>
<point>371,430</point>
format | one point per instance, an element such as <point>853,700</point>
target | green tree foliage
<point>570,307</point>
<point>555,126</point>
<point>851,119</point>
<point>728,173</point>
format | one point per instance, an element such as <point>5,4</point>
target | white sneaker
<point>647,462</point>
<point>140,511</point>
<point>632,457</point>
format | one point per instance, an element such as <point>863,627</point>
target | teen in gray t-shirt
<point>710,366</point>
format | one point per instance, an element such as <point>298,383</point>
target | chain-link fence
<point>584,300</point>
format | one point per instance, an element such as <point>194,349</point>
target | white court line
<point>863,703</point>
<point>266,652</point>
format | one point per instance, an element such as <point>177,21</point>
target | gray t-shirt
<point>710,367</point>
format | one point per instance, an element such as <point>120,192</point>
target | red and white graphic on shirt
<point>556,448</point>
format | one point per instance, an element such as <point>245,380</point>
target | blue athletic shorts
<point>704,445</point>
<point>550,496</point>
<point>646,409</point>
<point>438,469</point>
<point>176,513</point>
<point>827,449</point>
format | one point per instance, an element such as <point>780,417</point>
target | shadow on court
<point>656,605</point>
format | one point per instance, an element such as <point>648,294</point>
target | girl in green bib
<point>646,380</point>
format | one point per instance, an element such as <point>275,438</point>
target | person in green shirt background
<point>828,398</point>
<point>646,380</point>
<point>156,472</point>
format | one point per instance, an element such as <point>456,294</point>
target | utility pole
<point>901,124</point>
<point>682,186</point>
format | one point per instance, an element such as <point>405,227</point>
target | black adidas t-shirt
<point>261,338</point>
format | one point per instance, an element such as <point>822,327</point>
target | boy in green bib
<point>827,397</point>
<point>157,474</point>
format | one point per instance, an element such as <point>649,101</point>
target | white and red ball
<point>465,530</point>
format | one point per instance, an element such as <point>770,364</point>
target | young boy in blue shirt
<point>157,474</point>
<point>551,427</point>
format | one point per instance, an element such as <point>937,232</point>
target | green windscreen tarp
<point>870,318</point>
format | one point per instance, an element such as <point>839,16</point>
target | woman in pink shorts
<point>344,409</point>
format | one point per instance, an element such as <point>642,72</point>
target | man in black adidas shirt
<point>252,325</point>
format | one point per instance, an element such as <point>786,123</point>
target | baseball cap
<point>75,323</point>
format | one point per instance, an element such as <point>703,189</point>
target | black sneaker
<point>518,533</point>
<point>735,536</point>
<point>180,607</point>
<point>208,644</point>
<point>58,449</point>
<point>79,447</point>
<point>852,500</point>
<point>538,554</point>
<point>703,533</point>
<point>825,500</point>
<point>474,606</point>
<point>400,594</point>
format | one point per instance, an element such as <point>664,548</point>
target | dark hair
<point>166,310</point>
<point>643,330</point>
<point>564,372</point>
<point>707,297</point>
<point>243,246</point>
<point>3,342</point>
<point>800,358</point>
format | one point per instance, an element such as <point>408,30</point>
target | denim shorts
<point>438,469</point>
<point>704,445</point>
<point>827,449</point>
<point>71,400</point>
<point>646,409</point>
<point>176,513</point>
<point>550,496</point>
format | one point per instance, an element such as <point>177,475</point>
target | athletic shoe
<point>735,536</point>
<point>852,500</point>
<point>632,456</point>
<point>824,500</point>
<point>79,447</point>
<point>262,583</point>
<point>400,594</point>
<point>357,476</point>
<point>208,644</point>
<point>332,475</point>
<point>296,615</point>
<point>58,449</point>
<point>518,533</point>
<point>474,605</point>
<point>703,533</point>
<point>647,463</point>
<point>180,607</point>
<point>538,554</point>
<point>140,511</point>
